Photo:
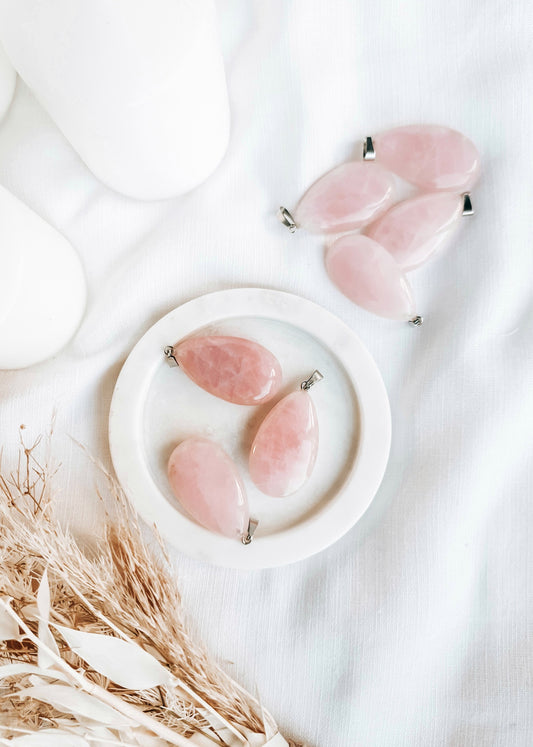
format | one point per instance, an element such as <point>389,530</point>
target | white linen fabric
<point>416,628</point>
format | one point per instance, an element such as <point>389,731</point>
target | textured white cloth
<point>416,629</point>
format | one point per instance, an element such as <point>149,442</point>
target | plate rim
<point>322,528</point>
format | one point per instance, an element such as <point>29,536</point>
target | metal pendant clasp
<point>467,205</point>
<point>315,377</point>
<point>287,219</point>
<point>248,537</point>
<point>169,354</point>
<point>369,154</point>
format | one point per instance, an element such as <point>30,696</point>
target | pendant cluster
<point>202,475</point>
<point>381,240</point>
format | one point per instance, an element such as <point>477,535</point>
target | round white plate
<point>155,406</point>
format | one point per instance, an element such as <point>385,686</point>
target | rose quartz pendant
<point>430,156</point>
<point>415,229</point>
<point>206,483</point>
<point>365,272</point>
<point>284,449</point>
<point>232,368</point>
<point>345,198</point>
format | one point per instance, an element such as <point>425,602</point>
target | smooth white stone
<point>138,88</point>
<point>42,286</point>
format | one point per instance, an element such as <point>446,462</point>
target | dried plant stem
<point>121,587</point>
<point>179,683</point>
<point>175,680</point>
<point>92,609</point>
<point>87,737</point>
<point>130,711</point>
<point>104,696</point>
<point>101,740</point>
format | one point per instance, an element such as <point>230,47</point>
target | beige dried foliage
<point>123,586</point>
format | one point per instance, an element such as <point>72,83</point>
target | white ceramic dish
<point>155,406</point>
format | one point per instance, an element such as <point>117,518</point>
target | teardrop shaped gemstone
<point>430,156</point>
<point>232,368</point>
<point>415,229</point>
<point>345,198</point>
<point>284,450</point>
<point>365,272</point>
<point>206,483</point>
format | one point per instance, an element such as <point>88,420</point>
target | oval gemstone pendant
<point>206,483</point>
<point>284,449</point>
<point>345,198</point>
<point>413,230</point>
<point>430,156</point>
<point>365,272</point>
<point>232,368</point>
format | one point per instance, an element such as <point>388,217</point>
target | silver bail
<point>252,526</point>
<point>286,218</point>
<point>467,205</point>
<point>169,354</point>
<point>315,377</point>
<point>416,321</point>
<point>369,154</point>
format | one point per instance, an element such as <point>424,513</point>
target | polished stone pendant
<point>206,483</point>
<point>430,156</point>
<point>343,199</point>
<point>232,368</point>
<point>413,230</point>
<point>370,277</point>
<point>369,269</point>
<point>284,449</point>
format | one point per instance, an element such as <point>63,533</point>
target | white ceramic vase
<point>42,286</point>
<point>137,88</point>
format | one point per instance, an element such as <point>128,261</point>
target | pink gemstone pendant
<point>413,230</point>
<point>430,156</point>
<point>232,368</point>
<point>284,449</point>
<point>343,199</point>
<point>365,272</point>
<point>206,483</point>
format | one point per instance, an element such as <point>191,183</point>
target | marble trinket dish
<point>156,406</point>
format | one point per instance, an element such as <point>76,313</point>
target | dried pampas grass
<point>93,645</point>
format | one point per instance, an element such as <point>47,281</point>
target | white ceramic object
<point>42,286</point>
<point>8,79</point>
<point>137,88</point>
<point>155,407</point>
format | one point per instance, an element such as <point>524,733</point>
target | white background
<point>415,629</point>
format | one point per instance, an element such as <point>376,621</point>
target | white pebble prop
<point>138,88</point>
<point>42,286</point>
<point>8,79</point>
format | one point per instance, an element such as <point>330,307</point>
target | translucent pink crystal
<point>365,272</point>
<point>429,156</point>
<point>284,450</point>
<point>345,198</point>
<point>206,483</point>
<point>413,230</point>
<point>232,368</point>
